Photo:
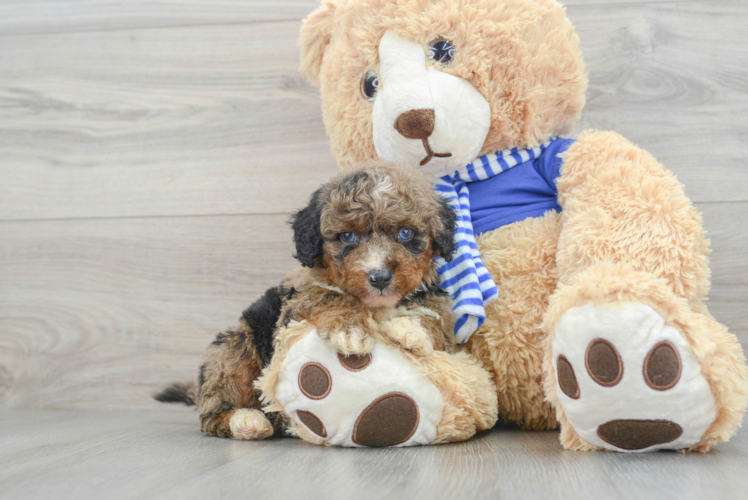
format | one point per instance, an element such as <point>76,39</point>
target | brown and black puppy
<point>367,241</point>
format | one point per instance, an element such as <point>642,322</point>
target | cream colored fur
<point>250,425</point>
<point>627,233</point>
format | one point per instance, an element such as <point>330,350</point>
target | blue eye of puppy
<point>348,237</point>
<point>442,51</point>
<point>405,234</point>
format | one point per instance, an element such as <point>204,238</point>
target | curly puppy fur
<point>335,290</point>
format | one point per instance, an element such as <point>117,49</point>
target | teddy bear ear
<point>316,32</point>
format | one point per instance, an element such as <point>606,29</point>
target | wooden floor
<point>142,455</point>
<point>150,153</point>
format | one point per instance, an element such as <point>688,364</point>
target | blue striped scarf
<point>465,277</point>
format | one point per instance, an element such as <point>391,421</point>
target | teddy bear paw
<point>250,425</point>
<point>629,382</point>
<point>374,399</point>
<point>408,332</point>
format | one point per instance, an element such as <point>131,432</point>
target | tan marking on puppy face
<point>375,203</point>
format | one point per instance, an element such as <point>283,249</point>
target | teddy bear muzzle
<point>422,116</point>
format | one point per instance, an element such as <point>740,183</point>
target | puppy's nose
<point>380,278</point>
<point>416,123</point>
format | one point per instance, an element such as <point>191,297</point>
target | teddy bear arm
<point>468,392</point>
<point>621,205</point>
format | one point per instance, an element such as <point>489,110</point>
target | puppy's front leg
<point>339,318</point>
<point>346,329</point>
<point>410,334</point>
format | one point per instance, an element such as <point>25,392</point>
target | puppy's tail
<point>178,393</point>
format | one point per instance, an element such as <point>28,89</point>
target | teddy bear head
<point>434,84</point>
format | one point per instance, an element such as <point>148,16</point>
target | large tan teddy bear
<point>581,273</point>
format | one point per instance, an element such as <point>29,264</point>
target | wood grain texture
<point>139,455</point>
<point>24,17</point>
<point>150,153</point>
<point>673,79</point>
<point>204,120</point>
<point>102,313</point>
<point>181,121</point>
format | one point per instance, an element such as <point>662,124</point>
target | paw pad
<point>662,366</point>
<point>566,378</point>
<point>312,422</point>
<point>315,381</point>
<point>604,363</point>
<point>638,434</point>
<point>391,419</point>
<point>355,363</point>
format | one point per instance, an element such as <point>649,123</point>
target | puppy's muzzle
<point>380,278</point>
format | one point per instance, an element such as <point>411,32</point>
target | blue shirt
<point>523,191</point>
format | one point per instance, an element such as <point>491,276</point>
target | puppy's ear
<point>307,235</point>
<point>316,32</point>
<point>444,240</point>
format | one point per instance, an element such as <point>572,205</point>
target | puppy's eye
<point>405,234</point>
<point>348,237</point>
<point>442,50</point>
<point>370,85</point>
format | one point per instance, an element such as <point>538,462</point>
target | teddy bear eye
<point>370,85</point>
<point>442,50</point>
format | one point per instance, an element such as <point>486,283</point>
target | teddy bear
<point>580,275</point>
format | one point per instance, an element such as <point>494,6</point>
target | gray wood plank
<point>135,455</point>
<point>158,122</point>
<point>199,120</point>
<point>673,78</point>
<point>25,17</point>
<point>101,313</point>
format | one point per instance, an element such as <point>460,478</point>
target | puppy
<point>367,242</point>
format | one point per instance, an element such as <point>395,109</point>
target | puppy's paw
<point>250,425</point>
<point>408,332</point>
<point>355,340</point>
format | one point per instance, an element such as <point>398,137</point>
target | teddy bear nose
<point>416,123</point>
<point>380,278</point>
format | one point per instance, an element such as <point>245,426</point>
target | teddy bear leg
<point>632,367</point>
<point>633,360</point>
<point>384,398</point>
<point>377,399</point>
<point>468,394</point>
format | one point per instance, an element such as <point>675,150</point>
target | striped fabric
<point>465,278</point>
